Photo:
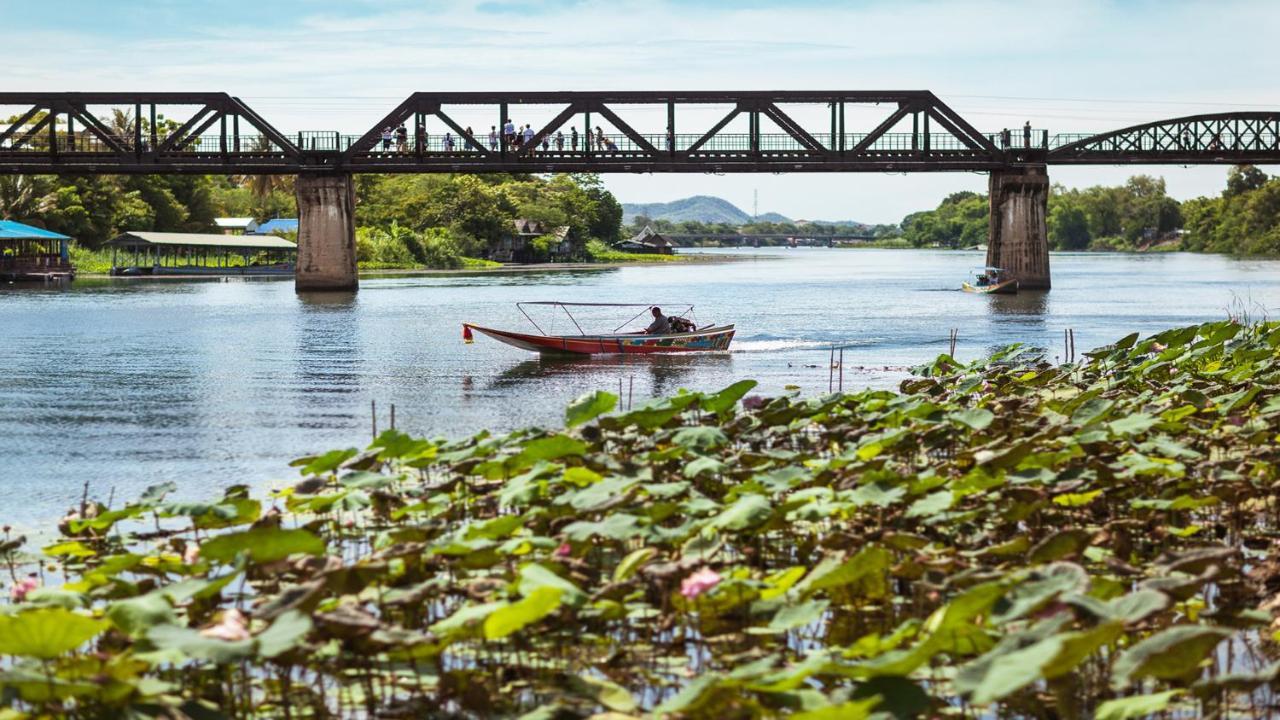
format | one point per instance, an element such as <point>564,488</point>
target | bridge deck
<point>68,132</point>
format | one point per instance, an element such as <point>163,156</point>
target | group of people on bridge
<point>512,137</point>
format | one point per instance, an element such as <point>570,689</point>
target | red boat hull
<point>710,339</point>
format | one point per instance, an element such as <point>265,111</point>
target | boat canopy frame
<point>566,305</point>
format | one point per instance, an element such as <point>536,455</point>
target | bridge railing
<point>333,141</point>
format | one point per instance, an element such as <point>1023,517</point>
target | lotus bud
<point>699,582</point>
<point>231,627</point>
<point>22,588</point>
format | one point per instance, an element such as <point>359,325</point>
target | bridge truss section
<point>674,132</point>
<point>139,133</point>
<point>1222,139</point>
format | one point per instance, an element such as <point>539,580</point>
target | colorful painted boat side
<point>1008,287</point>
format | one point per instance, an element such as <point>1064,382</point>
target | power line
<point>1119,102</point>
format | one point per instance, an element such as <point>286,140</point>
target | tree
<point>25,197</point>
<point>1068,226</point>
<point>1242,179</point>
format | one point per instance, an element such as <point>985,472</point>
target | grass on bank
<point>1002,538</point>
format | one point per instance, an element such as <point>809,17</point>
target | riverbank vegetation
<point>1139,215</point>
<point>601,252</point>
<point>413,221</point>
<point>405,221</point>
<point>1004,537</point>
<point>694,228</point>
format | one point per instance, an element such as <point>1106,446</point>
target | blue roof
<point>10,230</point>
<point>277,225</point>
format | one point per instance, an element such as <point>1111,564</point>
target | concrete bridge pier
<point>1018,239</point>
<point>326,232</point>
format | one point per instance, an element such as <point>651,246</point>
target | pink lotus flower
<point>699,582</point>
<point>565,550</point>
<point>191,554</point>
<point>19,591</point>
<point>231,627</point>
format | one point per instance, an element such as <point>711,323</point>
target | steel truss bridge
<point>215,133</point>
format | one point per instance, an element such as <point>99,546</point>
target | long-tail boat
<point>991,281</point>
<point>688,339</point>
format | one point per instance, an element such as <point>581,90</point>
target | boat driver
<point>661,325</point>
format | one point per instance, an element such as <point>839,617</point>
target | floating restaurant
<point>32,253</point>
<point>163,253</point>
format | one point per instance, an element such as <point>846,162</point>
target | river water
<point>126,383</point>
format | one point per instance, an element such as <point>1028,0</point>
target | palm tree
<point>23,197</point>
<point>122,125</point>
<point>261,187</point>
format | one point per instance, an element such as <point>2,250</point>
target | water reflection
<point>1032,306</point>
<point>327,359</point>
<point>662,373</point>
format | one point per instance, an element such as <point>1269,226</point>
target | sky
<point>1067,66</point>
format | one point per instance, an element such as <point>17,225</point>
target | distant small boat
<point>991,281</point>
<point>706,338</point>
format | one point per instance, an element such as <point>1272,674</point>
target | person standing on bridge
<point>573,138</point>
<point>448,142</point>
<point>671,139</point>
<point>1026,135</point>
<point>599,139</point>
<point>402,138</point>
<point>559,141</point>
<point>493,138</point>
<point>528,136</point>
<point>509,133</point>
<point>386,138</point>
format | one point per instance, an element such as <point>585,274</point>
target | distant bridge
<point>215,133</point>
<point>754,238</point>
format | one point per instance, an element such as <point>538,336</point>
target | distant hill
<point>773,218</point>
<point>701,208</point>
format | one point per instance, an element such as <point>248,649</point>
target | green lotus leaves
<point>1135,706</point>
<point>1003,537</point>
<point>727,398</point>
<point>1171,654</point>
<point>539,603</point>
<point>974,418</point>
<point>589,407</point>
<point>262,545</point>
<point>46,633</point>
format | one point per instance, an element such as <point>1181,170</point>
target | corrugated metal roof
<point>253,242</point>
<point>278,225</point>
<point>11,230</point>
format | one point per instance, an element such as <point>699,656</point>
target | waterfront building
<point>518,246</point>
<point>236,225</point>
<point>648,241</point>
<point>32,253</point>
<point>162,253</point>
